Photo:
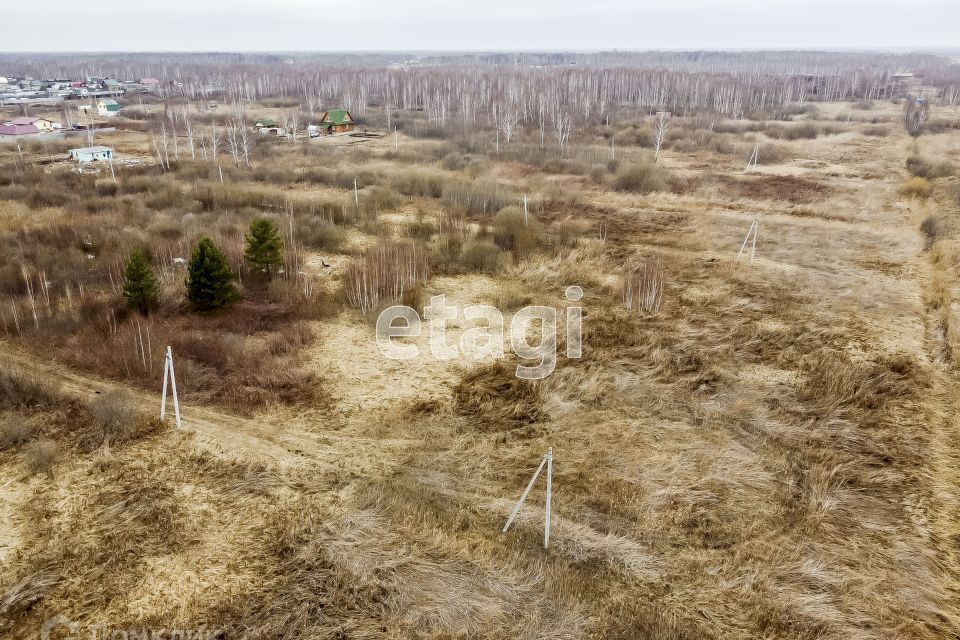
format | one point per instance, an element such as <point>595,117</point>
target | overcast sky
<point>345,25</point>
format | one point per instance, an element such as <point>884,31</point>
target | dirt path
<point>285,443</point>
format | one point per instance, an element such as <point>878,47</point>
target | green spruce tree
<point>209,279</point>
<point>140,286</point>
<point>264,251</point>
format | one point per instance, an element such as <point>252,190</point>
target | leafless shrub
<point>481,256</point>
<point>877,131</point>
<point>802,131</point>
<point>513,231</point>
<point>475,198</point>
<point>384,273</point>
<point>420,230</point>
<point>26,389</point>
<point>923,167</point>
<point>641,178</point>
<point>931,229</point>
<point>114,416</point>
<point>916,188</point>
<point>643,286</point>
<point>317,233</point>
<point>916,113</point>
<point>40,457</point>
<point>15,430</point>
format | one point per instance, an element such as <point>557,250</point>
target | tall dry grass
<point>643,286</point>
<point>385,272</point>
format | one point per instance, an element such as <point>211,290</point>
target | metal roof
<point>337,116</point>
<point>27,120</point>
<point>91,150</point>
<point>18,129</point>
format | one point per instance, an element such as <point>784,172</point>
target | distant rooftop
<point>91,150</point>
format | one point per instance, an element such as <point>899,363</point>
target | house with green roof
<point>268,126</point>
<point>336,121</point>
<point>108,107</point>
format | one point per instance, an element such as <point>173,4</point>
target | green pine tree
<point>209,279</point>
<point>140,286</point>
<point>264,251</point>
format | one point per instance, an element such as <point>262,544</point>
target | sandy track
<point>284,443</point>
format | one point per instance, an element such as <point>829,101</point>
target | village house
<point>91,154</point>
<point>42,124</point>
<point>268,126</point>
<point>17,130</point>
<point>108,107</point>
<point>337,121</point>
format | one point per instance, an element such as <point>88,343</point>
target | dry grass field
<point>773,454</point>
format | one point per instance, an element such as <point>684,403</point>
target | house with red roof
<point>17,130</point>
<point>43,124</point>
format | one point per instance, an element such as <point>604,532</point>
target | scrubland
<point>773,453</point>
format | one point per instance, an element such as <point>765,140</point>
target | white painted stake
<point>546,522</point>
<point>754,227</point>
<point>169,374</point>
<point>396,139</point>
<point>525,220</point>
<point>220,166</point>
<point>356,194</point>
<point>548,461</point>
<point>754,157</point>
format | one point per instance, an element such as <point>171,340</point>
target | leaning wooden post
<point>756,229</point>
<point>754,158</point>
<point>546,523</point>
<point>170,374</point>
<point>166,378</point>
<point>752,230</point>
<point>523,497</point>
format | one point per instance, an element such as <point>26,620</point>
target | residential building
<point>91,154</point>
<point>108,107</point>
<point>337,121</point>
<point>42,124</point>
<point>17,130</point>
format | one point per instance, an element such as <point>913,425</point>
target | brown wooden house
<point>336,121</point>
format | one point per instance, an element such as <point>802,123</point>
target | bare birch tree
<point>660,131</point>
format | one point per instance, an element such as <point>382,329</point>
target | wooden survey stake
<point>548,462</point>
<point>169,376</point>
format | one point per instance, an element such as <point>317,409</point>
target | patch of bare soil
<point>794,189</point>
